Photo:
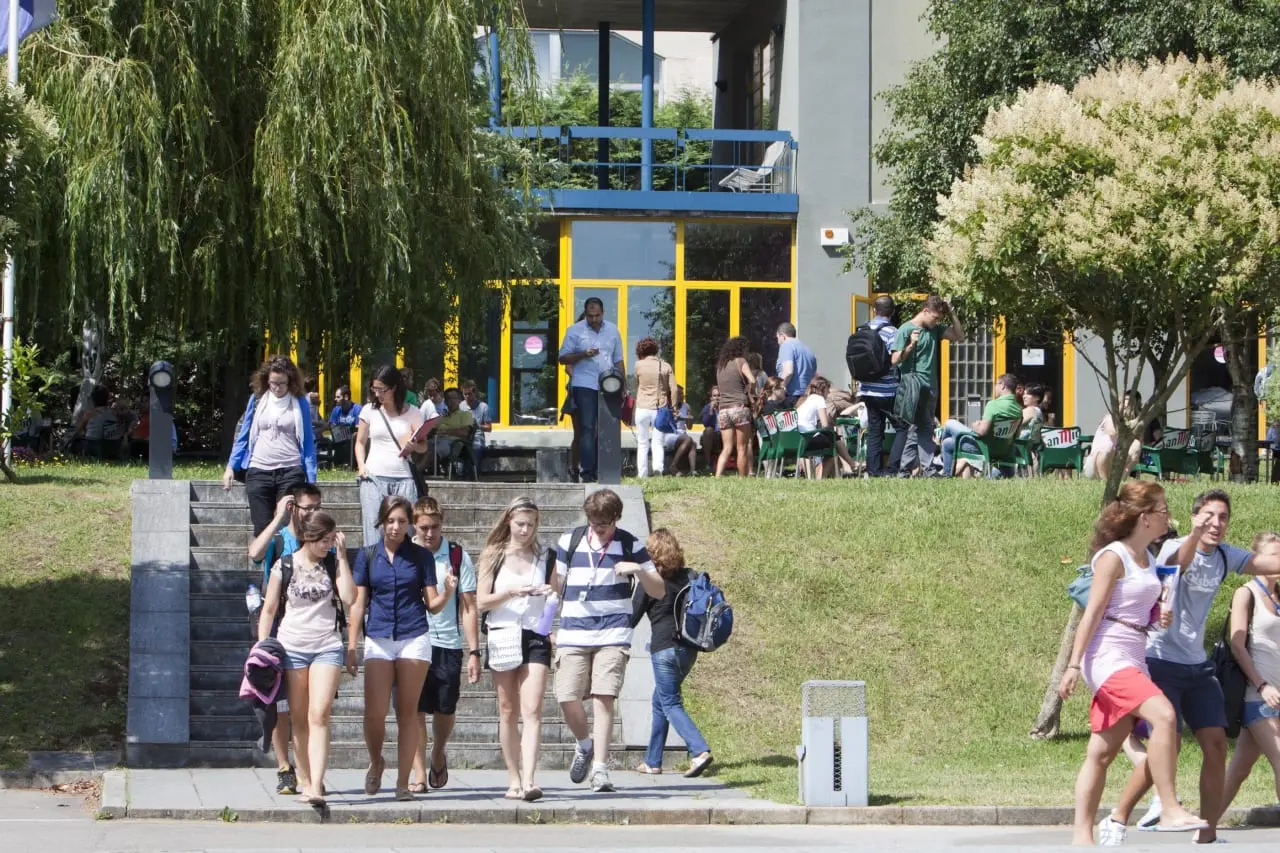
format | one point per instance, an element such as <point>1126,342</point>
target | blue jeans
<point>670,666</point>
<point>951,430</point>
<point>587,401</point>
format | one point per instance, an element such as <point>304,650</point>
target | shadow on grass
<point>64,658</point>
<point>66,479</point>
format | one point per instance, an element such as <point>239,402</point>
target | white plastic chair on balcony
<point>756,180</point>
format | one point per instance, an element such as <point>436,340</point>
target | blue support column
<point>604,77</point>
<point>495,79</point>
<point>646,95</point>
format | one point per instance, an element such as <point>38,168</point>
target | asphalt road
<point>36,822</point>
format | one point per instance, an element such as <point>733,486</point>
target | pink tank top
<point>1115,645</point>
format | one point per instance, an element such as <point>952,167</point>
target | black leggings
<point>264,490</point>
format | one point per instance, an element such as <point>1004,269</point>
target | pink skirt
<point>1119,696</point>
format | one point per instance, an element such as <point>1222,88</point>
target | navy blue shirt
<point>396,608</point>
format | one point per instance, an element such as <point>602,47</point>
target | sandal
<point>514,793</point>
<point>439,778</point>
<point>373,778</point>
<point>532,794</point>
<point>646,769</point>
<point>417,787</point>
<point>698,765</point>
<point>403,795</point>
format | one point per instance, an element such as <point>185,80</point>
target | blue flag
<point>32,15</point>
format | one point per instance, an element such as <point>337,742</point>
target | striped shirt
<point>597,601</point>
<point>887,385</point>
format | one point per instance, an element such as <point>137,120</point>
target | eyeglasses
<point>311,508</point>
<point>281,383</point>
<point>379,389</point>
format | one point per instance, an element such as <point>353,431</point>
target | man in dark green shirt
<point>915,354</point>
<point>1003,409</point>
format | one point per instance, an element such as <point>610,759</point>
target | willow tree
<point>228,168</point>
<point>1143,202</point>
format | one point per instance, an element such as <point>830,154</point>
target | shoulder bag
<point>665,419</point>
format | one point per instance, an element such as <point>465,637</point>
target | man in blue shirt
<point>444,679</point>
<point>344,418</point>
<point>591,346</point>
<point>796,364</point>
<point>278,539</point>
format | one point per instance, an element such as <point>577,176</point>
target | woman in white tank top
<point>1109,652</point>
<point>1255,642</point>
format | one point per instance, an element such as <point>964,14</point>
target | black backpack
<point>330,564</point>
<point>866,355</point>
<point>628,543</point>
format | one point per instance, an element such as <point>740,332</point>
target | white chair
<point>756,180</point>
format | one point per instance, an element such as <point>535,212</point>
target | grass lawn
<point>946,597</point>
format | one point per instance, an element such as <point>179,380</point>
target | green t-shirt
<point>922,359</point>
<point>1002,408</point>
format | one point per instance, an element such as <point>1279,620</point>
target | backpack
<point>704,619</point>
<point>628,543</point>
<point>866,355</point>
<point>330,564</point>
<point>1229,674</point>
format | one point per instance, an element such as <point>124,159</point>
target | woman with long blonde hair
<point>513,592</point>
<point>1110,654</point>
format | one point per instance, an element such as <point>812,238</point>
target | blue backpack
<point>704,620</point>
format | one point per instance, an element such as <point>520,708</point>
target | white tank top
<point>1264,639</point>
<point>523,611</point>
<point>1115,645</point>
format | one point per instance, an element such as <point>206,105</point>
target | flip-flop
<point>403,795</point>
<point>513,794</point>
<point>1181,827</point>
<point>439,778</point>
<point>532,794</point>
<point>318,802</point>
<point>417,787</point>
<point>373,778</point>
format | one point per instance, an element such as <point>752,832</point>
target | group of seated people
<point>463,421</point>
<point>113,428</point>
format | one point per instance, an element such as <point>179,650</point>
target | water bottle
<point>549,605</point>
<point>253,598</point>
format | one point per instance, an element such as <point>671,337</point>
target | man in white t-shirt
<point>1177,659</point>
<point>480,414</point>
<point>591,346</point>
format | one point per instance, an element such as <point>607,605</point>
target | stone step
<point>471,537</point>
<point>350,702</point>
<point>347,515</point>
<point>227,677</point>
<point>480,756</point>
<point>227,606</point>
<point>450,494</point>
<point>350,729</point>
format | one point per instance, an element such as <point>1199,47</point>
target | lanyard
<point>1271,598</point>
<point>591,552</point>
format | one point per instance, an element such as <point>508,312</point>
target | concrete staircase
<point>222,728</point>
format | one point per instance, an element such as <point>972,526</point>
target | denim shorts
<point>1257,711</point>
<point>301,660</point>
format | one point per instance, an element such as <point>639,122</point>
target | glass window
<point>625,250</point>
<point>651,313</point>
<point>760,310</point>
<point>706,330</point>
<point>737,251</point>
<point>535,322</point>
<point>548,233</point>
<point>607,295</point>
<point>480,349</point>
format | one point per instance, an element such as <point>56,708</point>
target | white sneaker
<point>1111,832</point>
<point>1147,823</point>
<point>600,781</point>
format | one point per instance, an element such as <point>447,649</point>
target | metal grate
<point>972,370</point>
<point>834,699</point>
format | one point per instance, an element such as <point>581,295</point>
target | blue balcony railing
<point>690,168</point>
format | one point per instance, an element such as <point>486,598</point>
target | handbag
<point>505,648</point>
<point>419,481</point>
<point>665,419</point>
<point>1078,589</point>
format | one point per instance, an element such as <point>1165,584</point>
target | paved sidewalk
<point>472,796</point>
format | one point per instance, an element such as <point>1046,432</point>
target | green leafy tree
<point>31,381</point>
<point>228,168</point>
<point>1144,201</point>
<point>989,50</point>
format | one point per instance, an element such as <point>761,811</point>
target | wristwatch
<point>475,653</point>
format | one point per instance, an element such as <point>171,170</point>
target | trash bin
<point>833,748</point>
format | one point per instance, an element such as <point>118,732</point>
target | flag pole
<point>6,310</point>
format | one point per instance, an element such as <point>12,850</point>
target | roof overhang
<point>709,16</point>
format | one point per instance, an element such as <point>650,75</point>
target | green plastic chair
<point>1063,450</point>
<point>974,449</point>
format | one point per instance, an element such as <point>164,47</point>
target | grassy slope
<point>947,598</point>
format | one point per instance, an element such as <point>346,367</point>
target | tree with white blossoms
<point>1144,200</point>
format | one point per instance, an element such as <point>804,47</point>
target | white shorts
<point>414,648</point>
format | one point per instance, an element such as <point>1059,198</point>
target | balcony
<point>681,170</point>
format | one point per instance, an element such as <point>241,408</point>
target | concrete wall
<point>898,39</point>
